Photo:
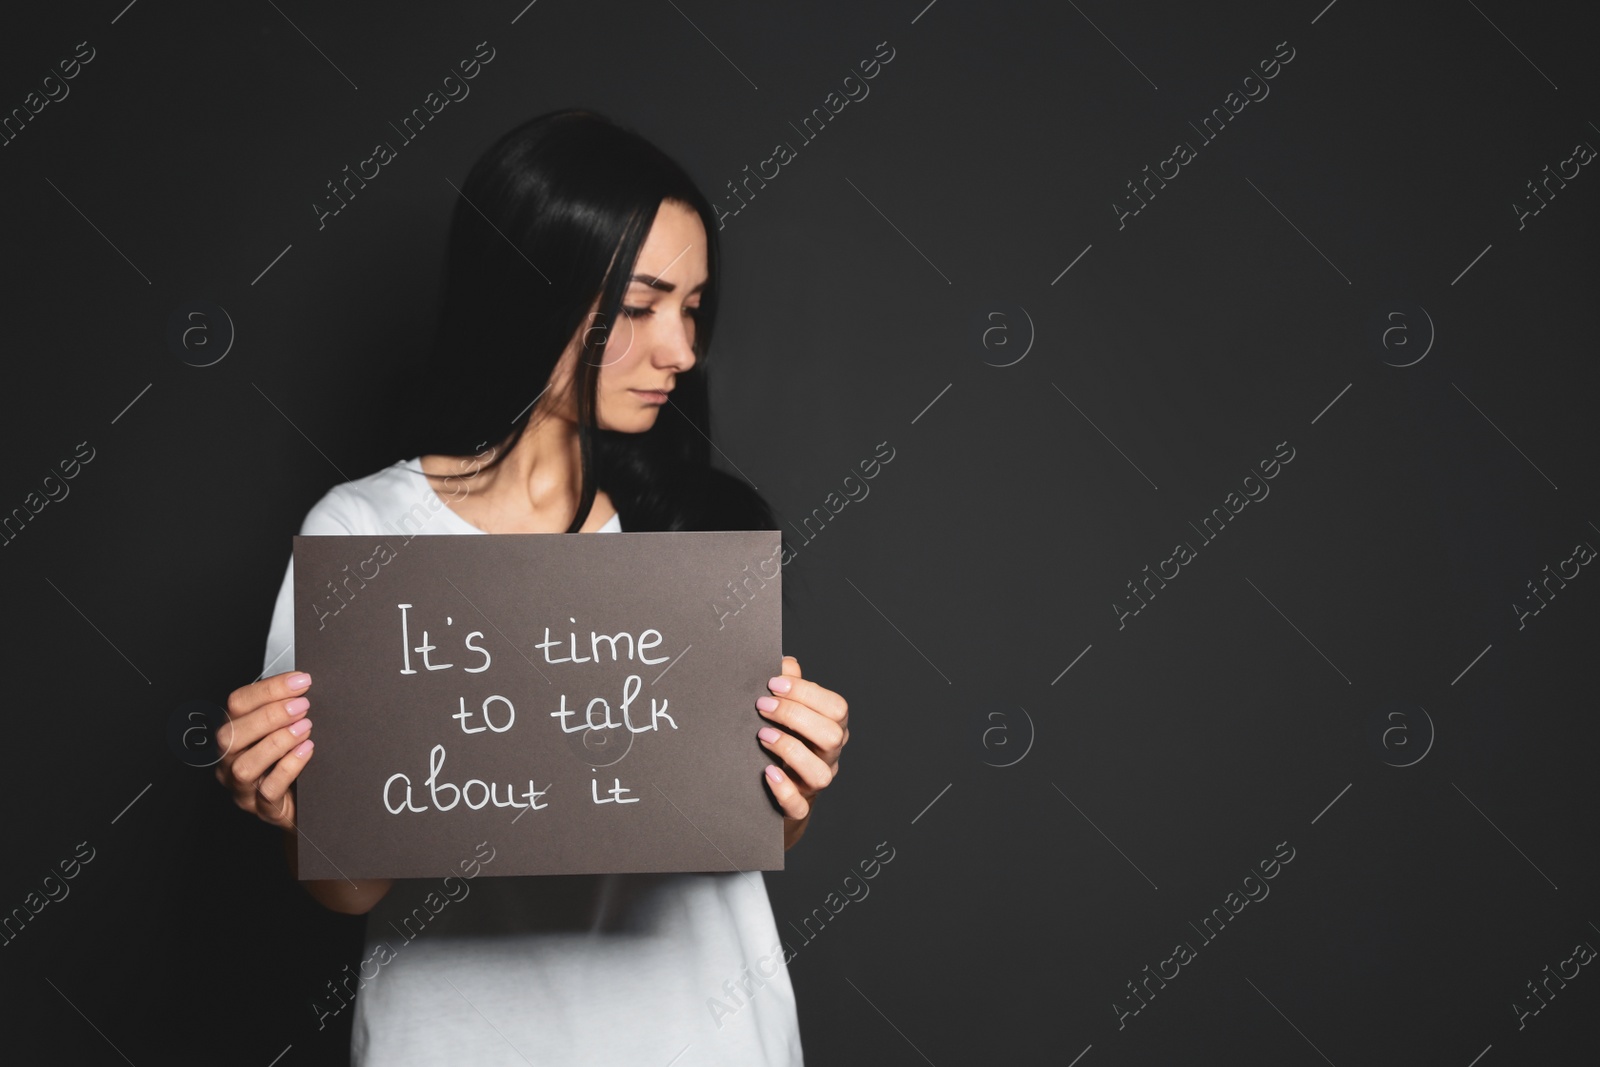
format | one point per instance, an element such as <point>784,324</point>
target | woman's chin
<point>634,421</point>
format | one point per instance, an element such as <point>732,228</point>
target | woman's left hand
<point>819,723</point>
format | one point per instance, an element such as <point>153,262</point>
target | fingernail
<point>299,729</point>
<point>779,683</point>
<point>772,772</point>
<point>767,734</point>
<point>299,681</point>
<point>767,703</point>
<point>297,706</point>
<point>303,749</point>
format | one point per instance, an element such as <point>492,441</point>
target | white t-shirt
<point>646,969</point>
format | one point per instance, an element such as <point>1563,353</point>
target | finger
<point>791,666</point>
<point>279,813</point>
<point>812,769</point>
<point>257,760</point>
<point>787,794</point>
<point>810,694</point>
<point>817,729</point>
<point>235,736</point>
<point>247,698</point>
<point>274,796</point>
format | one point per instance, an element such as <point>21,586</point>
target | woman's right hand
<point>264,745</point>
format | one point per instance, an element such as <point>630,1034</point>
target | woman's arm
<point>355,897</point>
<point>794,829</point>
<point>264,746</point>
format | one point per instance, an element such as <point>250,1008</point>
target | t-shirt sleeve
<point>335,514</point>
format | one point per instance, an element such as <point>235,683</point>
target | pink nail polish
<point>772,772</point>
<point>768,734</point>
<point>303,749</point>
<point>299,681</point>
<point>297,706</point>
<point>300,728</point>
<point>780,683</point>
<point>767,703</point>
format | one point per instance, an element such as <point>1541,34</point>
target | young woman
<point>580,293</point>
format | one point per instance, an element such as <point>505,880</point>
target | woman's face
<point>653,341</point>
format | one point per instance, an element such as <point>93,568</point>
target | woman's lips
<point>650,396</point>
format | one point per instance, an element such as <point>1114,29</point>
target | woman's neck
<point>540,473</point>
<point>534,489</point>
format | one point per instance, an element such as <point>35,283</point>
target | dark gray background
<point>1240,709</point>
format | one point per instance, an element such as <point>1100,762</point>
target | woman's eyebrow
<point>660,283</point>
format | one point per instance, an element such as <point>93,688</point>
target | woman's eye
<point>633,313</point>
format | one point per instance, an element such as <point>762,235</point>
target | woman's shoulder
<point>362,505</point>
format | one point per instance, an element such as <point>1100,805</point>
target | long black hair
<point>551,217</point>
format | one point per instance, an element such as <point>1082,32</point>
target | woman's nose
<point>677,350</point>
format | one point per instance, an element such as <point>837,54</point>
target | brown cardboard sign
<point>588,702</point>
